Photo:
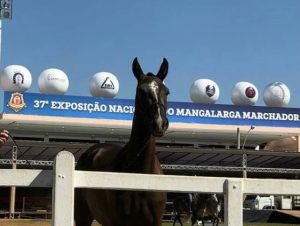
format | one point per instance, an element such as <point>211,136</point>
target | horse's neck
<point>140,133</point>
<point>140,149</point>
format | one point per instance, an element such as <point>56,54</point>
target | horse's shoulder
<point>98,157</point>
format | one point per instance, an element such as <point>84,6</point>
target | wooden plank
<point>25,178</point>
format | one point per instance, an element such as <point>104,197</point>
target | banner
<point>123,109</point>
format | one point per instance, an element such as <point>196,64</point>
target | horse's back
<point>98,157</point>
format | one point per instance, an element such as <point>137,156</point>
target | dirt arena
<point>9,222</point>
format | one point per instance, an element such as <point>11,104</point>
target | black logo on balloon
<point>250,92</point>
<point>18,78</point>
<point>210,90</point>
<point>107,84</point>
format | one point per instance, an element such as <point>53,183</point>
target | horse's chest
<point>135,202</point>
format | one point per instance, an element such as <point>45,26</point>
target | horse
<point>128,208</point>
<point>206,205</point>
<point>181,204</point>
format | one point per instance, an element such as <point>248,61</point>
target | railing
<point>64,178</point>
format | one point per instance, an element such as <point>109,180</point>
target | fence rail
<point>64,179</point>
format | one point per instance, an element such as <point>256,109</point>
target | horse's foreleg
<point>157,210</point>
<point>193,219</point>
<point>217,220</point>
<point>202,217</point>
<point>175,218</point>
<point>179,219</point>
<point>82,214</point>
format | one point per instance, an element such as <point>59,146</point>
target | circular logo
<point>210,90</point>
<point>250,92</point>
<point>18,78</point>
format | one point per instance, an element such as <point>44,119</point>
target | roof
<point>174,159</point>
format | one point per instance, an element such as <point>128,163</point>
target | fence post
<point>63,190</point>
<point>233,205</point>
<point>12,199</point>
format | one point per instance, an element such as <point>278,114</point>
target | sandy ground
<point>8,222</point>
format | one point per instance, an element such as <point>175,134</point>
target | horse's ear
<point>137,70</point>
<point>163,71</point>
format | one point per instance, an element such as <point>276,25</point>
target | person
<point>3,137</point>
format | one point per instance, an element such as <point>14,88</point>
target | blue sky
<point>224,40</point>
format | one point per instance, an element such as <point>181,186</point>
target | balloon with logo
<point>15,78</point>
<point>244,93</point>
<point>53,81</point>
<point>277,94</point>
<point>204,91</point>
<point>104,84</point>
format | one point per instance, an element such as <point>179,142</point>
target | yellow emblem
<point>16,102</point>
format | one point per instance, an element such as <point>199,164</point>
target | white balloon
<point>277,94</point>
<point>104,84</point>
<point>53,81</point>
<point>15,78</point>
<point>204,91</point>
<point>244,93</point>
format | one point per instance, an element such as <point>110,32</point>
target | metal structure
<point>185,159</point>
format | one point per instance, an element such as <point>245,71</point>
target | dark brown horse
<point>129,208</point>
<point>181,205</point>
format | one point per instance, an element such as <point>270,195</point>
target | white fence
<point>64,179</point>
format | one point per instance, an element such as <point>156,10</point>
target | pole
<point>244,157</point>
<point>238,134</point>
<point>244,164</point>
<point>13,188</point>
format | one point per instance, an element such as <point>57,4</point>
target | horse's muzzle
<point>160,131</point>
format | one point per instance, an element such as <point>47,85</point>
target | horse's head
<point>151,97</point>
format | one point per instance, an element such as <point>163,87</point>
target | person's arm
<point>3,137</point>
